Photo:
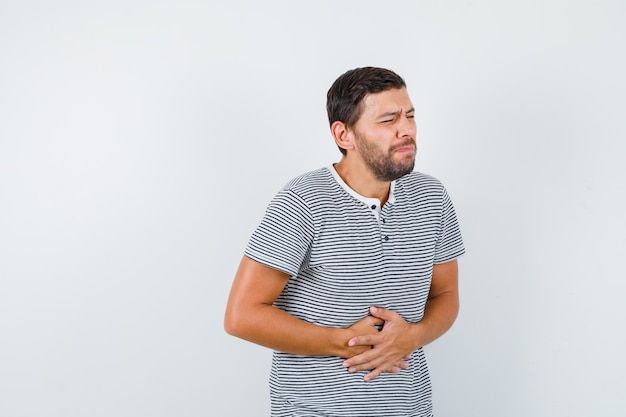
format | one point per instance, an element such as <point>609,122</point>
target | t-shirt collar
<point>369,201</point>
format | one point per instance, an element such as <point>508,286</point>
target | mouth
<point>405,148</point>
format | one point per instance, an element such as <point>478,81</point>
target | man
<point>353,268</point>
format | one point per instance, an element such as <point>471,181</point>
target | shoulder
<point>316,179</point>
<point>317,194</point>
<point>312,187</point>
<point>304,191</point>
<point>420,182</point>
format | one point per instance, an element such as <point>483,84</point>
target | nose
<point>407,127</point>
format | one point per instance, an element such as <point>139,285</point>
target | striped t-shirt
<point>343,258</point>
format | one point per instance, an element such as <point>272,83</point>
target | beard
<point>382,165</point>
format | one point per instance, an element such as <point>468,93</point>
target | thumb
<point>381,313</point>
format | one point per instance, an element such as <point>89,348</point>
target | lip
<point>405,149</point>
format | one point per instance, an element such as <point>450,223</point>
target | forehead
<point>394,100</point>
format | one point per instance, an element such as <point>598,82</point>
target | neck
<point>362,180</point>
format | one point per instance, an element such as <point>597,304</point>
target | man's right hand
<point>366,326</point>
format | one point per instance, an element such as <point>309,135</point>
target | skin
<point>382,140</point>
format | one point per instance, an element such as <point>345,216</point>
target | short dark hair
<point>344,100</point>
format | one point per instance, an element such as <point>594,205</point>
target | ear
<point>343,136</point>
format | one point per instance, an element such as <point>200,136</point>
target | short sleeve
<point>449,241</point>
<point>283,238</point>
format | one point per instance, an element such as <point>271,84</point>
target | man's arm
<point>250,315</point>
<point>399,338</point>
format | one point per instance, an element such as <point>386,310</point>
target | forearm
<point>275,329</point>
<point>250,315</point>
<point>442,305</point>
<point>439,315</point>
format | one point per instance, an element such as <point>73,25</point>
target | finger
<point>362,362</point>
<point>394,370</point>
<point>382,313</point>
<point>365,340</point>
<point>374,321</point>
<point>370,376</point>
<point>365,361</point>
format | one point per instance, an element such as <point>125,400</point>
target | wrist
<point>338,342</point>
<point>417,335</point>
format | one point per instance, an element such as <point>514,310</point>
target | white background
<point>141,140</point>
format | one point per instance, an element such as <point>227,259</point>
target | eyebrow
<point>395,113</point>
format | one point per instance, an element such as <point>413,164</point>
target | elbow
<point>234,324</point>
<point>454,306</point>
<point>230,324</point>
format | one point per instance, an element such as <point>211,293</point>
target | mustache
<point>409,141</point>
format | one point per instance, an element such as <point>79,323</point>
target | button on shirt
<point>372,203</point>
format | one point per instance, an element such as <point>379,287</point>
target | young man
<point>353,268</point>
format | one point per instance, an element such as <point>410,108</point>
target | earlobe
<point>342,135</point>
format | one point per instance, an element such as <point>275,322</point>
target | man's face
<point>384,135</point>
